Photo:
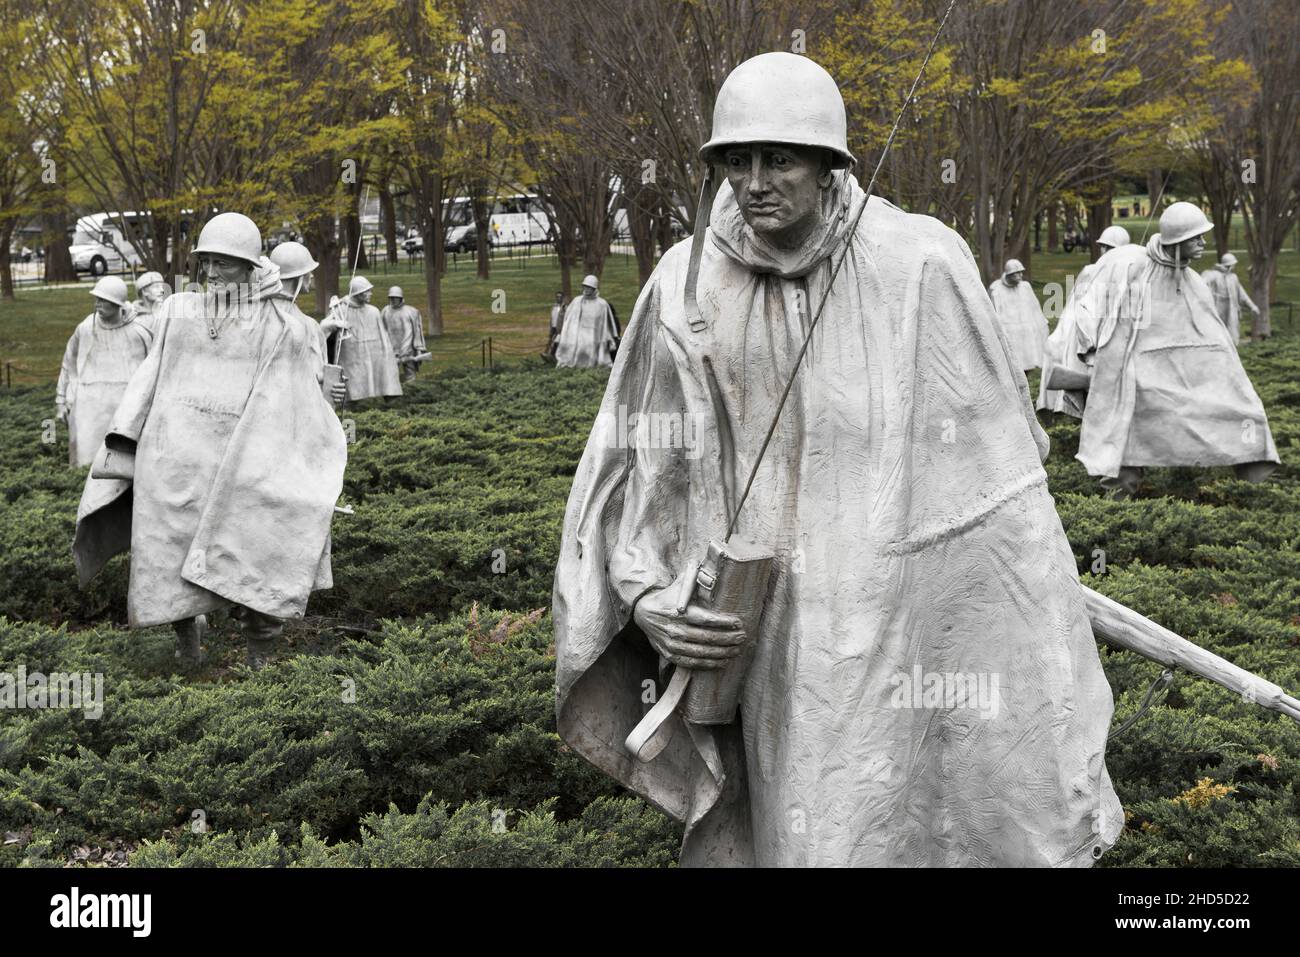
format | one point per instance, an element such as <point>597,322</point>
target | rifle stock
<point>1122,627</point>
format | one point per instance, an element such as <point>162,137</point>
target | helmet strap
<point>702,213</point>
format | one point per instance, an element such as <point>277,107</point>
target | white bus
<point>518,219</point>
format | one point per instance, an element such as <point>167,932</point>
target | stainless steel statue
<point>296,265</point>
<point>405,328</point>
<point>362,345</point>
<point>224,460</point>
<point>1229,296</point>
<point>1020,315</point>
<point>923,685</point>
<point>1166,386</point>
<point>589,333</point>
<point>153,292</point>
<point>102,354</point>
<point>1060,359</point>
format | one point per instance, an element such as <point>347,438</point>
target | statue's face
<point>778,187</point>
<point>1013,278</point>
<point>155,292</point>
<point>225,273</point>
<point>395,301</point>
<point>306,283</point>
<point>559,298</point>
<point>588,292</point>
<point>1190,249</point>
<point>363,297</point>
<point>107,311</point>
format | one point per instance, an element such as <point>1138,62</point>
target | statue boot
<point>260,633</point>
<point>189,639</point>
<point>1125,485</point>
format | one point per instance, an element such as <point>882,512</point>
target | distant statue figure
<point>590,331</point>
<point>296,265</point>
<point>795,660</point>
<point>223,462</point>
<point>1020,315</point>
<point>361,343</point>
<point>1228,294</point>
<point>1060,358</point>
<point>557,323</point>
<point>1167,387</point>
<point>101,356</point>
<point>405,328</point>
<point>153,292</point>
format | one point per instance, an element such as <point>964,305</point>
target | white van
<point>99,244</point>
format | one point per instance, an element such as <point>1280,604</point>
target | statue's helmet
<point>358,285</point>
<point>591,281</point>
<point>1228,260</point>
<point>110,289</point>
<point>780,98</point>
<point>293,260</point>
<point>1114,237</point>
<point>395,292</point>
<point>1013,265</point>
<point>231,234</point>
<point>1182,221</point>
<point>147,279</point>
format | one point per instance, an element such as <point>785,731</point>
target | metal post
<point>491,362</point>
<point>482,348</point>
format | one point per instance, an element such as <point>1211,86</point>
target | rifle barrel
<point>1122,627</point>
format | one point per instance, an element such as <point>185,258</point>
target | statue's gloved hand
<point>61,411</point>
<point>698,638</point>
<point>339,390</point>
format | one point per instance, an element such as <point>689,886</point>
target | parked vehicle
<point>100,244</point>
<point>515,220</point>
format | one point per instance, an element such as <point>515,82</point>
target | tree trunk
<point>6,270</point>
<point>641,228</point>
<point>1099,217</point>
<point>482,228</point>
<point>1155,183</point>
<point>321,238</point>
<point>564,249</point>
<point>389,216</point>
<point>1263,275</point>
<point>355,247</point>
<point>58,258</point>
<point>1053,238</point>
<point>431,229</point>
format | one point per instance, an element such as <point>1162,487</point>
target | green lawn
<point>35,328</point>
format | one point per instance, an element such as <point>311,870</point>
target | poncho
<point>405,330</point>
<point>589,332</point>
<point>1229,296</point>
<point>1061,351</point>
<point>239,461</point>
<point>148,314</point>
<point>1023,322</point>
<point>1168,387</point>
<point>916,546</point>
<point>366,352</point>
<point>97,364</point>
